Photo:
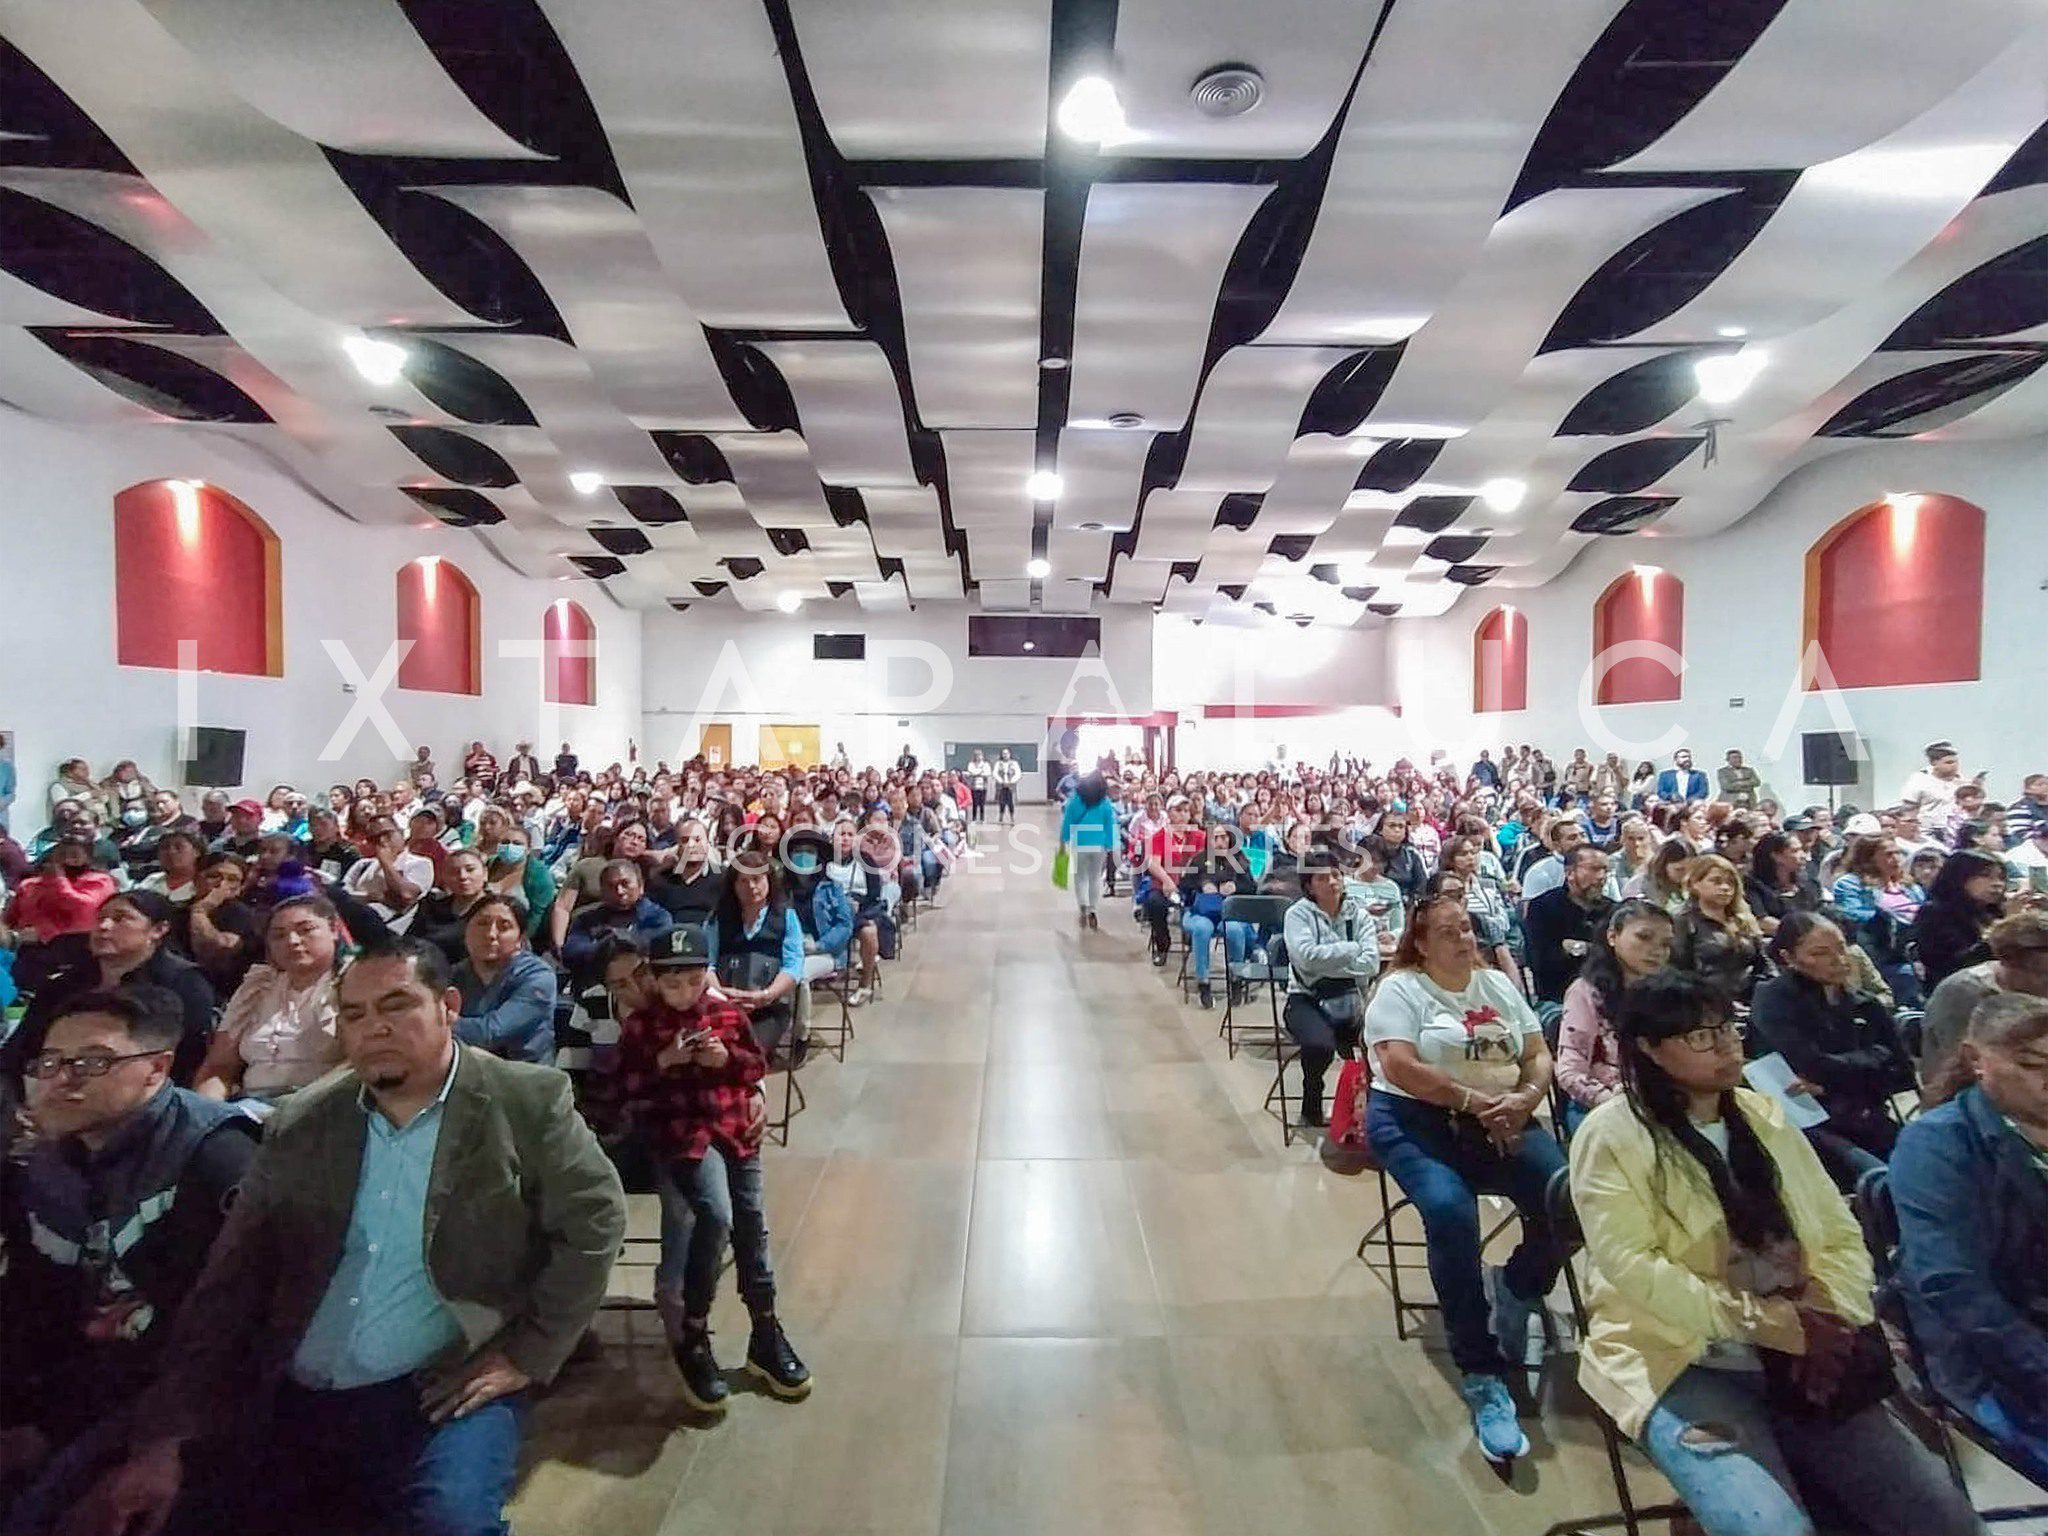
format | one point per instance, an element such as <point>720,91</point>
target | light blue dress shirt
<point>381,1317</point>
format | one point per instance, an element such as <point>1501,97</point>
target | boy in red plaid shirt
<point>687,1066</point>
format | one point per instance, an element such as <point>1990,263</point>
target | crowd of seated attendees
<point>1662,935</point>
<point>255,992</point>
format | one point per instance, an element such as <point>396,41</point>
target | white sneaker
<point>856,997</point>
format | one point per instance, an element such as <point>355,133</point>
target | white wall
<point>63,695</point>
<point>918,684</point>
<point>1744,622</point>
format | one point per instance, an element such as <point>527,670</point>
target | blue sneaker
<point>1511,1318</point>
<point>1493,1418</point>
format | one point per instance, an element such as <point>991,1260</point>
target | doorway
<point>790,746</point>
<point>714,745</point>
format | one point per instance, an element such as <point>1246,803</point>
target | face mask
<point>512,853</point>
<point>804,862</point>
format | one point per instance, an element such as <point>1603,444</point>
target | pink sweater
<point>1588,1065</point>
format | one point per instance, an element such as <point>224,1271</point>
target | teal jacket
<point>1086,828</point>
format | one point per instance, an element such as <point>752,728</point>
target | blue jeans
<point>1443,1169</point>
<point>725,1199</point>
<point>2026,1448</point>
<point>1741,1477</point>
<point>1201,932</point>
<point>447,1479</point>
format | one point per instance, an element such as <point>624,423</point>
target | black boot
<point>1206,993</point>
<point>770,1358</point>
<point>1312,1108</point>
<point>704,1387</point>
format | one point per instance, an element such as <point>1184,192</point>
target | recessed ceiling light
<point>1030,645</point>
<point>789,602</point>
<point>1052,362</point>
<point>1093,527</point>
<point>1732,332</point>
<point>1042,485</point>
<point>588,482</point>
<point>381,362</point>
<point>1091,113</point>
<point>1724,376</point>
<point>1038,569</point>
<point>1228,90</point>
<point>1504,494</point>
<point>1428,429</point>
<point>1125,421</point>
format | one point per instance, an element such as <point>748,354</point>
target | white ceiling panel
<point>1318,474</point>
<point>36,380</point>
<point>1250,405</point>
<point>1825,78</point>
<point>777,478</point>
<point>284,211</point>
<point>921,79</point>
<point>350,74</point>
<point>591,254</point>
<point>1100,471</point>
<point>1429,151</point>
<point>905,520</point>
<point>986,472</point>
<point>1139,581</point>
<point>1064,596</point>
<point>1005,596</point>
<point>697,107</point>
<point>968,270</point>
<point>1175,525</point>
<point>850,410</point>
<point>1152,260</point>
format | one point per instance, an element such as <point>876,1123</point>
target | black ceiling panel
<point>1292,546</point>
<point>694,457</point>
<point>622,541</point>
<point>76,260</point>
<point>1472,575</point>
<point>1914,402</point>
<point>743,567</point>
<point>1622,514</point>
<point>1455,548</point>
<point>1240,509</point>
<point>1634,466</point>
<point>457,456</point>
<point>1398,465</point>
<point>598,567</point>
<point>2004,295</point>
<point>1635,399</point>
<point>457,508</point>
<point>1433,514</point>
<point>650,504</point>
<point>463,387</point>
<point>163,381</point>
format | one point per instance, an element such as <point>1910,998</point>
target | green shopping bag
<point>1059,867</point>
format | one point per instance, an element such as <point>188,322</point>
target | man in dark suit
<point>421,1239</point>
<point>1681,782</point>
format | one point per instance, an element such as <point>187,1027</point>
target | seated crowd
<point>1585,967</point>
<point>564,976</point>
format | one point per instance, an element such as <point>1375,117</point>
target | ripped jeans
<point>1744,1471</point>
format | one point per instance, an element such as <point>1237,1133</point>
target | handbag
<point>1868,1378</point>
<point>1347,1107</point>
<point>1060,867</point>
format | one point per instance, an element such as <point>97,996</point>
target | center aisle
<point>1054,1273</point>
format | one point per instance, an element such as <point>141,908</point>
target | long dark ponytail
<point>1661,1007</point>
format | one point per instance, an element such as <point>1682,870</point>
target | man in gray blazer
<point>423,1236</point>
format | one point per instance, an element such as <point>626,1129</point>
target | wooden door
<point>786,745</point>
<point>714,742</point>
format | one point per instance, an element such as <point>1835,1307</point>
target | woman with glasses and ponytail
<point>1728,1293</point>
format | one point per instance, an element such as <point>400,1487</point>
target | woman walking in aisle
<point>1088,832</point>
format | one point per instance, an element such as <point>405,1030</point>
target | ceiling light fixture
<point>1724,377</point>
<point>1030,645</point>
<point>1504,494</point>
<point>588,482</point>
<point>1126,421</point>
<point>1042,485</point>
<point>1038,569</point>
<point>1090,112</point>
<point>789,602</point>
<point>1054,363</point>
<point>1427,429</point>
<point>380,362</point>
<point>1732,332</point>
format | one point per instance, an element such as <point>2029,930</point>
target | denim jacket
<point>1973,1255</point>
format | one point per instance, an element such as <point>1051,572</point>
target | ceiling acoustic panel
<point>1317,476</point>
<point>1174,525</point>
<point>849,408</point>
<point>1304,51</point>
<point>1152,260</point>
<point>1428,153</point>
<point>283,210</point>
<point>591,253</point>
<point>985,472</point>
<point>1248,413</point>
<point>1101,471</point>
<point>696,104</point>
<point>350,74</point>
<point>777,478</point>
<point>39,381</point>
<point>921,79</point>
<point>1825,79</point>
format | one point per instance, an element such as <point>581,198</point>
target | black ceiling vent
<point>165,382</point>
<point>708,588</point>
<point>1398,465</point>
<point>1433,514</point>
<point>76,260</point>
<point>1471,575</point>
<point>598,567</point>
<point>1384,610</point>
<point>788,541</point>
<point>1634,466</point>
<point>1292,546</point>
<point>1635,399</point>
<point>457,508</point>
<point>622,541</point>
<point>457,456</point>
<point>1622,514</point>
<point>694,457</point>
<point>1926,397</point>
<point>1658,273</point>
<point>1455,548</point>
<point>463,387</point>
<point>2008,293</point>
<point>1349,391</point>
<point>1656,61</point>
<point>650,504</point>
<point>1240,509</point>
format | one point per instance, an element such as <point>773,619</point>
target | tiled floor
<point>1055,1273</point>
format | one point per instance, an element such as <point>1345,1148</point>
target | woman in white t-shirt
<point>1458,1067</point>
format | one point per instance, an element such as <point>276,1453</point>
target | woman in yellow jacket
<point>1726,1282</point>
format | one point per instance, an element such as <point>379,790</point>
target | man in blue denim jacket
<point>1970,1182</point>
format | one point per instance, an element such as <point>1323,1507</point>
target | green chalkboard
<point>1026,753</point>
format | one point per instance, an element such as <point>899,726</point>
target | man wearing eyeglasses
<point>106,1226</point>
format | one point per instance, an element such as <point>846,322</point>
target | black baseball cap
<point>683,947</point>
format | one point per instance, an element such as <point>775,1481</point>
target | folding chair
<point>1264,913</point>
<point>781,1053</point>
<point>1392,1247</point>
<point>1879,1218</point>
<point>1570,1238</point>
<point>833,1037</point>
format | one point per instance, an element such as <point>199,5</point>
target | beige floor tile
<point>1057,1249</point>
<point>914,1109</point>
<point>882,1252</point>
<point>1045,1108</point>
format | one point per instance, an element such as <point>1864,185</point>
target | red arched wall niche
<point>193,564</point>
<point>440,613</point>
<point>1500,663</point>
<point>1895,594</point>
<point>1643,605</point>
<point>569,661</point>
